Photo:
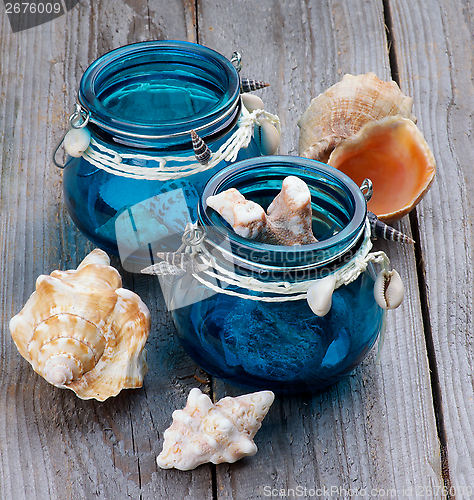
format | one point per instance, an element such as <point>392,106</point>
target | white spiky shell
<point>82,331</point>
<point>343,109</point>
<point>287,221</point>
<point>205,432</point>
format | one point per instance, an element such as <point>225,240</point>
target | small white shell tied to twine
<point>266,135</point>
<point>388,292</point>
<point>388,289</point>
<point>319,295</point>
<point>174,167</point>
<point>76,141</point>
<point>81,331</point>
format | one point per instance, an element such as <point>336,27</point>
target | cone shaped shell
<point>343,109</point>
<point>249,85</point>
<point>393,154</point>
<point>81,331</point>
<point>201,150</point>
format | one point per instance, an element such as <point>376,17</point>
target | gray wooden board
<point>376,429</point>
<point>373,430</point>
<point>53,445</point>
<point>435,55</point>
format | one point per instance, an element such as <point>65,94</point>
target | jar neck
<point>152,94</point>
<point>339,219</point>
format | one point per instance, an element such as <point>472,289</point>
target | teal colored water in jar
<point>139,182</point>
<point>282,346</point>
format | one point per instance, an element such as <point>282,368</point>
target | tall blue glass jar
<point>282,346</point>
<point>139,176</point>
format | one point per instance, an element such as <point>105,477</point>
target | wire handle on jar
<point>367,189</point>
<point>77,121</point>
<point>236,60</point>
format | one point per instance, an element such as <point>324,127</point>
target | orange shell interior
<point>399,164</point>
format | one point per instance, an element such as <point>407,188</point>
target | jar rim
<point>192,55</point>
<point>265,256</point>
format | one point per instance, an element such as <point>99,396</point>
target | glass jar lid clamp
<point>77,138</point>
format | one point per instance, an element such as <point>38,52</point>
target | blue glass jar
<point>282,346</point>
<point>139,176</point>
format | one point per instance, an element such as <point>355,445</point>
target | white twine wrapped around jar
<point>109,160</point>
<point>204,268</point>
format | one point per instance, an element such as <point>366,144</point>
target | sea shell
<point>389,290</point>
<point>249,85</point>
<point>205,432</point>
<point>319,295</point>
<point>343,109</point>
<point>176,264</point>
<point>76,141</point>
<point>252,102</point>
<point>267,137</point>
<point>201,150</point>
<point>81,331</point>
<point>394,155</point>
<point>288,219</point>
<point>379,229</point>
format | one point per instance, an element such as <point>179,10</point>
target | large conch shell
<point>81,331</point>
<point>393,154</point>
<point>343,109</point>
<point>364,127</point>
<point>205,432</point>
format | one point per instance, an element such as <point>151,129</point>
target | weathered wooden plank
<point>435,57</point>
<point>375,429</point>
<point>53,445</point>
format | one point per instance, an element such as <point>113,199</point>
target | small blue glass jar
<point>139,179</point>
<point>282,346</point>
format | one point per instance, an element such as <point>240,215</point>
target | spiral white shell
<point>81,331</point>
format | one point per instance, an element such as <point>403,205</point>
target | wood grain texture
<point>435,56</point>
<point>53,445</point>
<point>375,429</point>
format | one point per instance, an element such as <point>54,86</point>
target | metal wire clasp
<point>193,235</point>
<point>367,189</point>
<point>79,119</point>
<point>236,60</point>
